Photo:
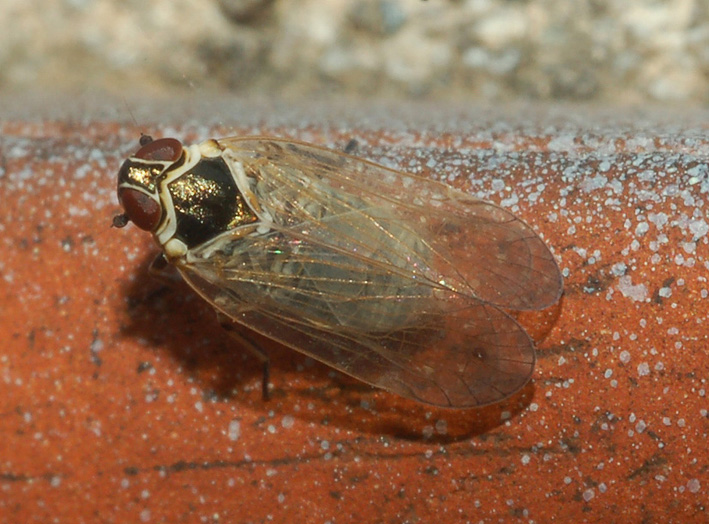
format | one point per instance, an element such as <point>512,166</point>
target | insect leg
<point>163,271</point>
<point>351,147</point>
<point>237,333</point>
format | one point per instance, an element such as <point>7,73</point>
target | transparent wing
<point>430,345</point>
<point>471,246</point>
<point>391,278</point>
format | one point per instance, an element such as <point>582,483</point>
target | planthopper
<point>400,281</point>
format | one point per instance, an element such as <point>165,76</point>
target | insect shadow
<point>167,316</point>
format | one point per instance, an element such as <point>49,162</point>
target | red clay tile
<point>122,400</point>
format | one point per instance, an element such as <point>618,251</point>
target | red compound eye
<point>141,209</point>
<point>161,150</point>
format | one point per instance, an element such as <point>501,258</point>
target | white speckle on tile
<point>619,269</point>
<point>643,369</point>
<point>234,430</point>
<point>511,201</point>
<point>694,486</point>
<point>637,293</point>
<point>588,495</point>
<point>699,228</point>
<point>590,184</point>
<point>659,219</point>
<point>689,247</point>
<point>624,356</point>
<point>96,345</point>
<point>441,427</point>
<point>563,143</point>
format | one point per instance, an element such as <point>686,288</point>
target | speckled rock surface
<point>632,51</point>
<point>122,401</point>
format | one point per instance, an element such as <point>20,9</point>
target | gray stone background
<point>619,51</point>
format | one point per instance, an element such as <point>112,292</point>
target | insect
<point>400,281</point>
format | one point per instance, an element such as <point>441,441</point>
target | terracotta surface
<point>121,400</point>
